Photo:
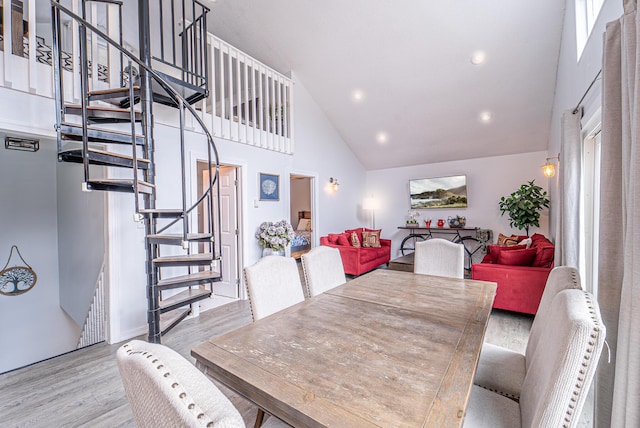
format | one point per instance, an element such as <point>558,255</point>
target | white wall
<point>319,152</point>
<point>487,180</point>
<point>34,327</point>
<point>575,75</point>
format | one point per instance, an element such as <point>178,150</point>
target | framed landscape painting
<point>269,187</point>
<point>441,192</point>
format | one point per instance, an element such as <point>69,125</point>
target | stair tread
<point>168,320</point>
<point>184,258</point>
<point>101,108</point>
<point>198,276</point>
<point>121,181</point>
<point>172,236</point>
<point>102,152</point>
<point>113,91</point>
<point>108,131</point>
<point>185,296</point>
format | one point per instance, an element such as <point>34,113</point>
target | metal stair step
<point>204,277</point>
<point>117,96</point>
<point>120,185</point>
<point>161,213</point>
<point>73,131</point>
<point>103,114</point>
<point>100,157</point>
<point>189,92</point>
<point>169,320</point>
<point>183,298</point>
<point>176,238</point>
<point>198,259</point>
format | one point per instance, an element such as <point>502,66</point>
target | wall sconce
<point>549,169</point>
<point>13,143</point>
<point>334,184</point>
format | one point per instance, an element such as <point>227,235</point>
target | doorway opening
<point>301,214</point>
<point>228,289</point>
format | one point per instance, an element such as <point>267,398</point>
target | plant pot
<point>272,252</point>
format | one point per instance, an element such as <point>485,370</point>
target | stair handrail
<point>172,92</point>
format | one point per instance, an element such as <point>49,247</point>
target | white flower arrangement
<point>275,235</point>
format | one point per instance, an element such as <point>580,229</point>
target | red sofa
<point>519,287</point>
<point>358,260</point>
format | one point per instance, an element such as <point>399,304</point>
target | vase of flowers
<point>274,237</point>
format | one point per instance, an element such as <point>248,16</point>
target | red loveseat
<point>521,273</point>
<point>358,260</point>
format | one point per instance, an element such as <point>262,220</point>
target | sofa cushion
<point>369,254</point>
<point>522,257</point>
<point>371,239</point>
<point>343,239</point>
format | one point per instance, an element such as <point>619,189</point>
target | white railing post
<point>7,44</point>
<point>33,73</point>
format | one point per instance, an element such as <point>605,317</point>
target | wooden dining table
<point>387,349</point>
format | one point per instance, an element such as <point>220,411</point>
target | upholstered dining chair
<point>323,269</point>
<point>166,390</point>
<point>560,372</point>
<point>502,370</point>
<point>439,257</point>
<point>273,283</point>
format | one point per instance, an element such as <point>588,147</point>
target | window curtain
<point>618,382</point>
<point>570,165</point>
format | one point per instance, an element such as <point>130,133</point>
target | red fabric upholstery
<point>523,257</point>
<point>357,261</point>
<point>519,287</point>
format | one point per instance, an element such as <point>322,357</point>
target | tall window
<point>586,14</point>
<point>590,211</point>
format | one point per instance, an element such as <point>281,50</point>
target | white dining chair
<point>165,390</point>
<point>560,372</point>
<point>273,284</point>
<point>439,257</point>
<point>323,270</point>
<point>502,370</point>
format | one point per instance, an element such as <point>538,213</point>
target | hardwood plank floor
<point>83,388</point>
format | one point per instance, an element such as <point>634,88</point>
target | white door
<point>229,286</point>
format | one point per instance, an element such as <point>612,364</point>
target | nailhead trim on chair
<point>585,362</point>
<point>191,406</point>
<point>253,317</point>
<point>504,394</point>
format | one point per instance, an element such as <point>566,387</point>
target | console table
<point>473,239</point>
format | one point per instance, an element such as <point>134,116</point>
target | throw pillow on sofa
<point>343,240</point>
<point>521,257</point>
<point>357,231</point>
<point>493,251</point>
<point>354,240</point>
<point>371,239</point>
<point>333,238</point>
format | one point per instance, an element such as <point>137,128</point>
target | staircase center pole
<point>146,103</point>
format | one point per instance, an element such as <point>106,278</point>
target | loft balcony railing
<point>246,101</point>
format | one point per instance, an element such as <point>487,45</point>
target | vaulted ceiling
<point>410,60</point>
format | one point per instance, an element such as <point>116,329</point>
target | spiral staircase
<point>111,133</point>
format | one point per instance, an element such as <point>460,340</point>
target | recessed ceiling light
<point>478,57</point>
<point>357,95</point>
<point>382,137</point>
<point>485,116</point>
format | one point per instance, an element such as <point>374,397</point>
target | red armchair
<point>519,287</point>
<point>358,260</point>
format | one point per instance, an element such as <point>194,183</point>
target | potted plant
<point>524,206</point>
<point>274,237</point>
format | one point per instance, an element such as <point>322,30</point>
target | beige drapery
<point>568,228</point>
<point>618,383</point>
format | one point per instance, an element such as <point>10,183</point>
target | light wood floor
<point>83,388</point>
